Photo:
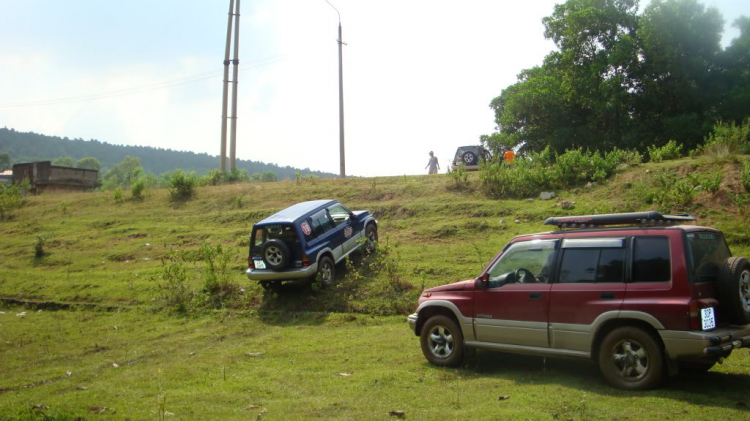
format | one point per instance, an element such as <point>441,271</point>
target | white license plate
<point>708,320</point>
<point>259,264</point>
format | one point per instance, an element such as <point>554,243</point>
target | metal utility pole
<point>342,157</point>
<point>222,157</point>
<point>235,70</point>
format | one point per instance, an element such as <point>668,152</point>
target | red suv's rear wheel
<point>630,358</point>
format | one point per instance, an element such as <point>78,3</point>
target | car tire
<point>733,290</point>
<point>371,238</point>
<point>326,271</point>
<point>469,158</point>
<point>442,341</point>
<point>275,254</point>
<point>631,358</point>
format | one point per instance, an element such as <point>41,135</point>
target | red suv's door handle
<point>535,295</point>
<point>607,295</point>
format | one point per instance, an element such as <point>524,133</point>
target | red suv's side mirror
<point>483,280</point>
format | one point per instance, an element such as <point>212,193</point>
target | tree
<point>89,163</point>
<point>64,162</point>
<point>680,47</point>
<point>5,163</point>
<point>122,174</point>
<point>735,60</point>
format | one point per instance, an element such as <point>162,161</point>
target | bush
<point>118,194</point>
<point>727,139</point>
<point>137,189</point>
<point>745,175</point>
<point>39,242</point>
<point>181,185</point>
<point>460,177</point>
<point>11,199</point>
<point>665,153</point>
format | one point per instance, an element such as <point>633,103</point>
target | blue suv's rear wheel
<point>326,271</point>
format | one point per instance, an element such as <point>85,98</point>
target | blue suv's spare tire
<point>733,290</point>
<point>276,254</point>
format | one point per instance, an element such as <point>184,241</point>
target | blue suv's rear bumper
<point>287,274</point>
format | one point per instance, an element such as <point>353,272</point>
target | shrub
<point>137,189</point>
<point>460,177</point>
<point>39,242</point>
<point>173,282</point>
<point>683,193</point>
<point>11,199</point>
<point>727,139</point>
<point>665,153</point>
<point>712,183</point>
<point>745,175</point>
<point>118,194</point>
<point>181,185</point>
<point>217,286</point>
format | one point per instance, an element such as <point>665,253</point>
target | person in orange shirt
<point>509,156</point>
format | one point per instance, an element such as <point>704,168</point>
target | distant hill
<point>30,147</point>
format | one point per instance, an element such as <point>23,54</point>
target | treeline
<point>628,80</point>
<point>30,147</point>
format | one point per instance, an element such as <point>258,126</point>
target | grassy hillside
<point>104,291</point>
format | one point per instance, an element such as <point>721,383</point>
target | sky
<point>418,74</point>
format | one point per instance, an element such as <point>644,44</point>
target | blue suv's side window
<point>321,223</point>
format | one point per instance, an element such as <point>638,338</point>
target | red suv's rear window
<point>707,252</point>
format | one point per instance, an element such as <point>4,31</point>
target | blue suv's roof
<point>294,212</point>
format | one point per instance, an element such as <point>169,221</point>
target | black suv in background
<point>470,156</point>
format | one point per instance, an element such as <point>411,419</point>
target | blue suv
<point>307,240</point>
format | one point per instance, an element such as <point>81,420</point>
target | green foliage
<point>11,198</point>
<point>745,175</point>
<point>539,171</point>
<point>460,178</point>
<point>217,285</point>
<point>172,281</point>
<point>64,207</point>
<point>117,194</point>
<point>727,139</point>
<point>665,153</point>
<point>64,162</point>
<point>39,243</point>
<point>712,182</point>
<point>89,163</point>
<point>239,201</point>
<point>5,162</point>
<point>620,78</point>
<point>181,185</point>
<point>123,174</point>
<point>683,193</point>
<point>136,190</point>
<point>30,147</point>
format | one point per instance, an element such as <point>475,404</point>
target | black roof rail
<point>631,218</point>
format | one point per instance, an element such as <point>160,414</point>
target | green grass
<point>101,268</point>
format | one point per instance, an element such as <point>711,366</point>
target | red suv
<point>638,293</point>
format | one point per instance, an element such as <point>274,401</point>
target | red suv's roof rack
<point>631,218</point>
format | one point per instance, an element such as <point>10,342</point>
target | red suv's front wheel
<point>442,341</point>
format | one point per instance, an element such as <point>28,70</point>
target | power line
<point>140,89</point>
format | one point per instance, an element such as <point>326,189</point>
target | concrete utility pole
<point>223,156</point>
<point>342,155</point>
<point>235,81</point>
